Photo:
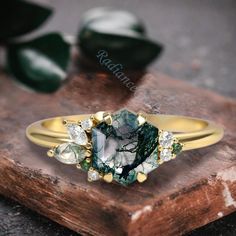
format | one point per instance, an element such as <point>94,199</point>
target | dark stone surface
<point>200,47</point>
<point>16,220</point>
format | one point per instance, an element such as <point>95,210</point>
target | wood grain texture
<point>195,189</point>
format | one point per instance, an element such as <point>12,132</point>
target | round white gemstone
<point>86,124</point>
<point>93,175</point>
<point>77,134</point>
<point>166,139</point>
<point>69,153</point>
<point>166,154</point>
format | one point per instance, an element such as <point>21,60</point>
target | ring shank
<point>191,132</point>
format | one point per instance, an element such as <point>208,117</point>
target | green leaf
<point>120,34</point>
<point>41,63</point>
<point>20,17</point>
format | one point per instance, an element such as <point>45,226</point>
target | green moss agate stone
<point>125,148</point>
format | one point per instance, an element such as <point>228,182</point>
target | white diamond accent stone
<point>93,175</point>
<point>77,134</point>
<point>166,139</point>
<point>86,124</point>
<point>69,153</point>
<point>166,154</point>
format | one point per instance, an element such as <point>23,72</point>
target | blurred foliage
<point>20,17</point>
<point>41,64</point>
<point>120,34</point>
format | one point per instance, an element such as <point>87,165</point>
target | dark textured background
<point>200,45</point>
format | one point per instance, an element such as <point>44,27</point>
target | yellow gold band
<point>191,132</point>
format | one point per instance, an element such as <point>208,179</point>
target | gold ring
<point>122,146</point>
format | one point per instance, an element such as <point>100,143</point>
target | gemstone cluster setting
<point>77,134</point>
<point>169,146</point>
<point>121,147</point>
<point>69,153</point>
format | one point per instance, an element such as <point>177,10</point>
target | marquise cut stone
<point>69,153</point>
<point>125,148</point>
<point>77,134</point>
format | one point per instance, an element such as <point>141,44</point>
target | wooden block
<point>194,189</point>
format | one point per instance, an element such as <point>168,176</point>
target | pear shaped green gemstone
<point>69,153</point>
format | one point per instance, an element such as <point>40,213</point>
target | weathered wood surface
<point>196,188</point>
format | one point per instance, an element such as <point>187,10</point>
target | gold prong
<point>160,132</point>
<point>98,117</point>
<point>88,131</point>
<point>108,177</point>
<point>141,118</point>
<point>102,116</point>
<point>78,166</point>
<point>141,177</point>
<point>94,120</point>
<point>88,153</point>
<point>107,118</point>
<point>160,148</point>
<point>173,156</point>
<point>176,140</point>
<point>51,153</point>
<point>88,160</point>
<point>89,145</point>
<point>159,162</point>
<point>90,180</point>
<point>65,122</point>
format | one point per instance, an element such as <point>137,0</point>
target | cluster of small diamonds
<point>79,133</point>
<point>78,150</point>
<point>168,146</point>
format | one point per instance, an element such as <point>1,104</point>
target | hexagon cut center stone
<point>125,148</point>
